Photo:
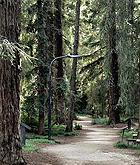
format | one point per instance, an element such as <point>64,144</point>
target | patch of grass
<point>120,144</point>
<point>36,139</point>
<point>100,121</point>
<point>137,152</point>
<point>40,139</point>
<point>30,147</point>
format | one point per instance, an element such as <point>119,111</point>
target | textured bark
<point>60,99</point>
<point>113,62</point>
<point>41,95</point>
<point>41,79</point>
<point>139,99</point>
<point>10,146</point>
<point>73,73</point>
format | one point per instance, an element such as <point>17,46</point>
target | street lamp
<point>49,112</point>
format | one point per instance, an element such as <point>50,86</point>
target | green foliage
<point>129,133</point>
<point>30,147</point>
<point>36,33</point>
<point>133,146</point>
<point>77,126</point>
<point>120,144</point>
<point>80,103</point>
<point>73,133</point>
<point>39,139</point>
<point>100,121</point>
<point>137,152</point>
<point>8,50</point>
<point>29,112</point>
<point>92,72</point>
<point>128,66</point>
<point>36,139</point>
<point>59,130</point>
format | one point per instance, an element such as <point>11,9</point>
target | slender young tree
<point>73,72</point>
<point>10,142</point>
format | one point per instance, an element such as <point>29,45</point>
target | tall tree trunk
<point>45,54</point>
<point>10,144</point>
<point>139,98</point>
<point>41,55</point>
<point>73,73</point>
<point>41,96</point>
<point>60,101</point>
<point>113,62</point>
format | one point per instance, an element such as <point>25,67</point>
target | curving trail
<point>94,146</point>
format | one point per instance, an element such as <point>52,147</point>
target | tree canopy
<point>100,22</point>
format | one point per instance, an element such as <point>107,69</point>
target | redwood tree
<point>139,99</point>
<point>10,143</point>
<point>73,72</point>
<point>58,51</point>
<point>40,49</point>
<point>44,54</point>
<point>113,64</point>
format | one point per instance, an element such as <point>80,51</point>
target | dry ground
<point>93,146</point>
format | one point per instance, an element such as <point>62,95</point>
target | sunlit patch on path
<point>94,146</point>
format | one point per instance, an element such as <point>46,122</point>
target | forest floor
<point>93,146</point>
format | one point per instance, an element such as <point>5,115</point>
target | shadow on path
<point>93,146</point>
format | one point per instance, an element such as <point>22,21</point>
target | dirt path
<point>94,146</point>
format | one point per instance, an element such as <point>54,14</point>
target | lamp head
<point>74,56</point>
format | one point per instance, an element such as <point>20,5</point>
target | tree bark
<point>41,77</point>
<point>73,73</point>
<point>60,98</point>
<point>139,98</point>
<point>113,62</point>
<point>10,144</point>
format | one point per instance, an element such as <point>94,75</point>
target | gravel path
<point>94,146</point>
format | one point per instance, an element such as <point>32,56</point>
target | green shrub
<point>128,134</point>
<point>120,144</point>
<point>100,121</point>
<point>137,152</point>
<point>60,130</point>
<point>77,126</point>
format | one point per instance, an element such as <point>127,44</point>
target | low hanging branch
<point>8,49</point>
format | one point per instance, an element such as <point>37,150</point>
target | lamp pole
<point>50,68</point>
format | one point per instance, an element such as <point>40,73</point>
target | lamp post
<point>49,112</point>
